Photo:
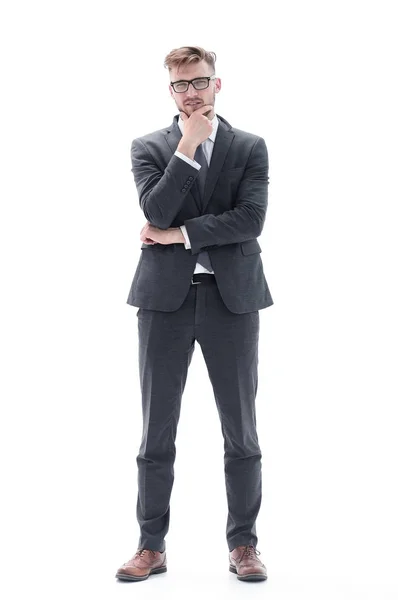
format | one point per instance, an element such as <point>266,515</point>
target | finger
<point>205,109</point>
<point>147,240</point>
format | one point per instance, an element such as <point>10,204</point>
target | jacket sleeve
<point>161,193</point>
<point>246,220</point>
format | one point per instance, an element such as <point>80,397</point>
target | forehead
<point>198,69</point>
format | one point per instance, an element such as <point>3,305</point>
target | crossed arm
<point>161,197</point>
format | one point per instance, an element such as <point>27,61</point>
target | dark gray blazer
<point>226,223</point>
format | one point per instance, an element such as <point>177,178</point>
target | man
<point>202,186</point>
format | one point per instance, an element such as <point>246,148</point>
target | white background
<point>317,80</point>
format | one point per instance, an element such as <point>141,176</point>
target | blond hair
<point>187,55</point>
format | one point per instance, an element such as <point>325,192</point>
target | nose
<point>193,91</point>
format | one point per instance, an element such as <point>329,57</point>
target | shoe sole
<point>127,577</point>
<point>249,577</point>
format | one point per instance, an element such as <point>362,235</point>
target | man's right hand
<point>197,127</point>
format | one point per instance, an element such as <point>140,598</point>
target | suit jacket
<point>226,222</point>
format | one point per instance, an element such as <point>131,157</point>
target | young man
<point>202,186</point>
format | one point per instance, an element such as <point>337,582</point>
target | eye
<point>200,83</point>
<point>180,86</point>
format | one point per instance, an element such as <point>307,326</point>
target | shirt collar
<point>214,122</point>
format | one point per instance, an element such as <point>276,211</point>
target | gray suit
<point>226,222</point>
<point>220,312</point>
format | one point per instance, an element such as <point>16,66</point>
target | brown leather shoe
<point>144,563</point>
<point>244,563</point>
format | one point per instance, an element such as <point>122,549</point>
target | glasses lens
<point>200,84</point>
<point>181,86</point>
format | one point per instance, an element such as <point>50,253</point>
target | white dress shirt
<point>207,146</point>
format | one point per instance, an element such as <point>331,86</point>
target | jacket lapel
<point>222,144</point>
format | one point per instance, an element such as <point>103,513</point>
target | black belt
<point>202,278</point>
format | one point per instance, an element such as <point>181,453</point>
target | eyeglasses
<point>200,83</point>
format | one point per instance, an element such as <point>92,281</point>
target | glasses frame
<point>192,81</point>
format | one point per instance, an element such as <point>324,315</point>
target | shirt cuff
<point>184,233</point>
<point>188,160</point>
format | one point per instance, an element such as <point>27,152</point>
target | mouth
<point>193,103</point>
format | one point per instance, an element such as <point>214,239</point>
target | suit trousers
<point>229,343</point>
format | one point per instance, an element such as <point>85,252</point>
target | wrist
<point>187,147</point>
<point>176,236</point>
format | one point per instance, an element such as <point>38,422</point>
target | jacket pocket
<point>250,247</point>
<point>232,171</point>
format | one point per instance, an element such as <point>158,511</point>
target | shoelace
<point>138,553</point>
<point>143,550</point>
<point>251,552</point>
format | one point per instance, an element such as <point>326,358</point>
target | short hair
<point>187,55</point>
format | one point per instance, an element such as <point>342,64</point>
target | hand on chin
<point>192,108</point>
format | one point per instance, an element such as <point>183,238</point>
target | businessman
<point>202,186</point>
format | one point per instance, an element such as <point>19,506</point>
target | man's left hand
<point>153,235</point>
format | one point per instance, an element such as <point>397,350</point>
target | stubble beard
<point>191,109</point>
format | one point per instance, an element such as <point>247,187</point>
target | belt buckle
<point>194,282</point>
